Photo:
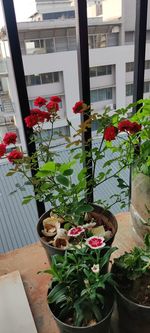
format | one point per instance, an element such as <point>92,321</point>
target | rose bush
<point>55,182</point>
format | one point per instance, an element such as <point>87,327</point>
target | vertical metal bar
<point>139,61</point>
<point>139,53</point>
<point>10,19</point>
<point>84,86</point>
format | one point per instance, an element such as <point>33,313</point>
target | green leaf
<point>11,172</point>
<point>63,180</point>
<point>68,172</point>
<point>49,166</point>
<point>27,199</point>
<point>84,209</point>
<point>82,174</point>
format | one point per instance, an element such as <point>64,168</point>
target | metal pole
<point>84,86</point>
<point>12,32</point>
<point>139,53</point>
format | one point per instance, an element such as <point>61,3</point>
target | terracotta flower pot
<point>99,214</point>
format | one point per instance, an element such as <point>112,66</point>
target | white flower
<point>95,268</point>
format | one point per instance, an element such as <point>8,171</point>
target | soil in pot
<point>133,300</point>
<point>104,223</point>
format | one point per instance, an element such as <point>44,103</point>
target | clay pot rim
<point>107,212</point>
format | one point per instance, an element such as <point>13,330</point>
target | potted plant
<point>71,219</point>
<point>132,274</point>
<point>81,297</point>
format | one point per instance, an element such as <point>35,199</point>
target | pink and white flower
<point>95,268</point>
<point>95,242</point>
<point>76,231</point>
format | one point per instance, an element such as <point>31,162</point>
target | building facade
<point>48,45</point>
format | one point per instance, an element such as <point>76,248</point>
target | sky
<point>23,9</point>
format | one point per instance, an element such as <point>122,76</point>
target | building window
<point>100,70</point>
<point>147,87</point>
<point>147,64</point>
<point>101,95</point>
<point>59,15</point>
<point>56,133</point>
<point>103,40</point>
<point>43,78</point>
<point>129,89</point>
<point>130,66</point>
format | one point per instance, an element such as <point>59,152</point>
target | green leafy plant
<point>81,289</point>
<point>132,273</point>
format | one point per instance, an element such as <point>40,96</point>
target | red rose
<point>127,126</point>
<point>31,121</point>
<point>110,133</point>
<point>14,155</point>
<point>124,125</point>
<point>79,107</point>
<point>9,138</point>
<point>40,101</point>
<point>55,99</point>
<point>2,149</point>
<point>135,128</point>
<point>52,106</point>
<point>41,115</point>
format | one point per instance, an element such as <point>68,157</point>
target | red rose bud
<point>55,99</point>
<point>9,138</point>
<point>2,149</point>
<point>14,155</point>
<point>79,107</point>
<point>52,106</point>
<point>40,101</point>
<point>110,133</point>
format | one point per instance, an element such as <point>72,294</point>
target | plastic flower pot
<point>98,213</point>
<point>101,327</point>
<point>133,317</point>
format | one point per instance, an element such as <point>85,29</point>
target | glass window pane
<point>94,97</point>
<point>93,71</point>
<point>56,77</point>
<point>49,45</point>
<point>61,44</point>
<point>46,78</point>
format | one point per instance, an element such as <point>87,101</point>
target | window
<point>147,87</point>
<point>33,80</point>
<point>101,94</point>
<point>147,64</point>
<point>129,89</point>
<point>100,70</point>
<point>58,15</point>
<point>130,66</point>
<point>56,133</point>
<point>34,46</point>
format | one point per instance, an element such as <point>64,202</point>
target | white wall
<point>112,9</point>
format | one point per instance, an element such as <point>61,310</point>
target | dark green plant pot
<point>101,327</point>
<point>133,318</point>
<point>107,216</point>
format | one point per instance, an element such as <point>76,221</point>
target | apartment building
<point>48,45</point>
